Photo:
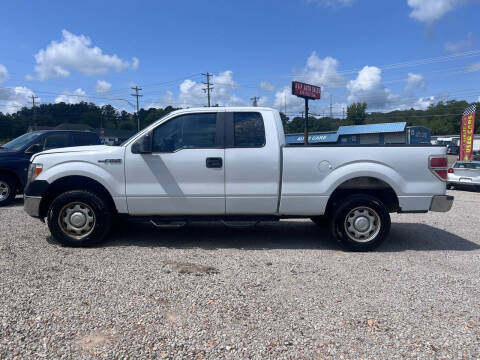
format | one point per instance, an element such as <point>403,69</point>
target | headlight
<point>34,170</point>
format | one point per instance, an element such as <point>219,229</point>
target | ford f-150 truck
<point>233,164</point>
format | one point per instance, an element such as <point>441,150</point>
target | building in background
<point>371,134</point>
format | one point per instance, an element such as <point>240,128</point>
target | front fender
<point>112,178</point>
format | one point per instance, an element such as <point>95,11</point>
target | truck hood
<point>5,153</point>
<point>89,148</point>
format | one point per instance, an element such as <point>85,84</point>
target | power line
<point>209,87</point>
<point>137,95</point>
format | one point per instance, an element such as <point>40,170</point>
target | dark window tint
<point>56,141</point>
<point>186,132</point>
<point>249,129</point>
<point>85,139</point>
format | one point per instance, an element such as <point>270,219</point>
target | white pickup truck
<point>232,164</point>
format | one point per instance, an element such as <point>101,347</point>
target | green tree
<point>357,113</point>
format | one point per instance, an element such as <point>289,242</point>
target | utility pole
<point>305,124</point>
<point>34,111</point>
<point>285,103</point>
<point>255,100</point>
<point>209,87</point>
<point>331,112</point>
<point>137,95</point>
<point>343,113</point>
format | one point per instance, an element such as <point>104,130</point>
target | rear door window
<point>55,141</point>
<point>249,130</point>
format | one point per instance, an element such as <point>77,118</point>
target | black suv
<point>15,156</point>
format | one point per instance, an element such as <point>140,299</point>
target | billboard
<point>306,90</point>
<point>467,129</point>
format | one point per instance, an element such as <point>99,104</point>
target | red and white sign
<point>306,90</point>
<point>466,136</point>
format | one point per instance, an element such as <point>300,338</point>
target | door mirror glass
<point>143,145</point>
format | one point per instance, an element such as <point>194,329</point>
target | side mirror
<point>143,145</point>
<point>35,148</point>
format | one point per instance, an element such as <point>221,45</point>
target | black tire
<point>87,204</point>
<point>8,189</point>
<point>369,212</point>
<point>320,220</point>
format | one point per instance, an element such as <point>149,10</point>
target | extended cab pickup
<point>233,164</point>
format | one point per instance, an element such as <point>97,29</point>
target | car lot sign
<point>306,90</point>
<point>466,136</point>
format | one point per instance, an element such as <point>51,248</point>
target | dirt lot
<point>279,291</point>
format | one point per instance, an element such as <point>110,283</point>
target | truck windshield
<point>20,142</point>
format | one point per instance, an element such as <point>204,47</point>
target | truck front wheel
<point>79,218</point>
<point>360,223</point>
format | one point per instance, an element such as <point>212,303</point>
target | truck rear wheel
<point>8,189</point>
<point>79,218</point>
<point>360,223</point>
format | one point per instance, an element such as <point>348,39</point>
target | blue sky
<point>392,54</point>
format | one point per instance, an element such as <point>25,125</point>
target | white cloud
<point>13,99</point>
<point>193,94</point>
<point>76,53</point>
<point>424,103</point>
<point>460,46</point>
<point>294,103</point>
<point>268,86</point>
<point>474,67</point>
<point>429,11</point>
<point>3,73</point>
<point>322,72</point>
<point>72,97</point>
<point>135,63</point>
<point>102,86</point>
<point>164,101</point>
<point>415,81</point>
<point>368,87</point>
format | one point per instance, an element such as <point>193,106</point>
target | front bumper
<point>441,203</point>
<point>31,205</point>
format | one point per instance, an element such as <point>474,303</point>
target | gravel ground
<point>278,291</point>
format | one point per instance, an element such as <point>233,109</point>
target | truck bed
<point>311,173</point>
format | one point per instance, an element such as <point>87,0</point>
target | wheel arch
<point>13,175</point>
<point>369,185</point>
<point>74,182</point>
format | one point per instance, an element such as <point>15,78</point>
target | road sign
<point>306,91</point>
